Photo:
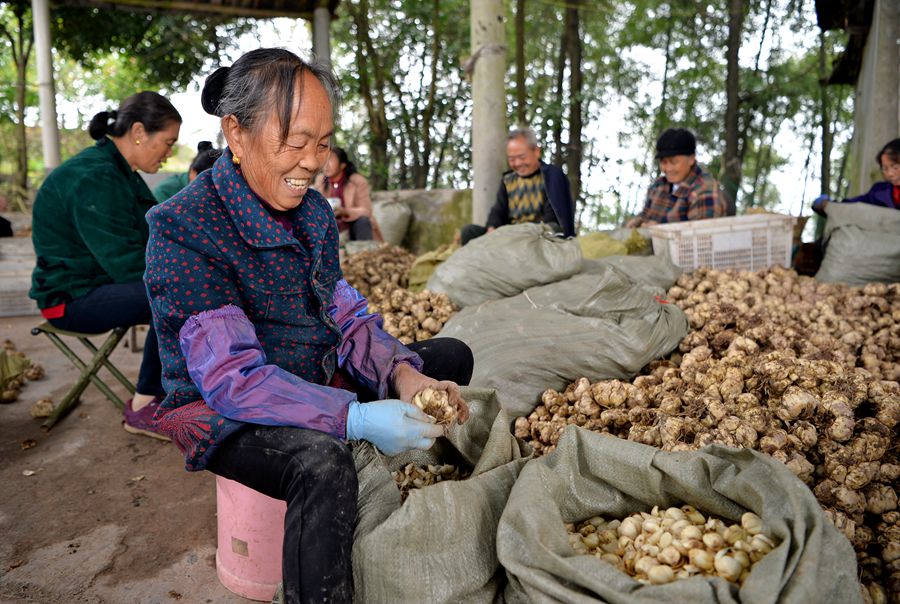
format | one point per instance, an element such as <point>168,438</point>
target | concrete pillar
<point>877,103</point>
<point>488,103</point>
<point>322,33</point>
<point>49,128</point>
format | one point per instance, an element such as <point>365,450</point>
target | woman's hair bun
<point>99,124</point>
<point>204,146</point>
<point>212,90</point>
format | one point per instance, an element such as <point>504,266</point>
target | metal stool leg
<point>112,368</point>
<point>88,372</point>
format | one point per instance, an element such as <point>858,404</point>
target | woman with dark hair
<point>270,360</point>
<point>205,158</point>
<point>885,193</point>
<point>90,236</point>
<point>341,181</point>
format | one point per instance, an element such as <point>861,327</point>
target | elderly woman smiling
<point>268,353</point>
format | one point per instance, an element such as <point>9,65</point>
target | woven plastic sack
<point>425,265</point>
<point>601,325</point>
<point>863,244</point>
<point>658,271</point>
<point>393,220</point>
<point>439,545</point>
<point>506,262</point>
<point>597,474</point>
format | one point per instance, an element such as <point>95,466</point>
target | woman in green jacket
<point>90,236</point>
<point>206,157</point>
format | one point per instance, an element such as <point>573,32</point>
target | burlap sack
<point>393,219</point>
<point>863,244</point>
<point>596,474</point>
<point>601,325</point>
<point>438,546</point>
<point>504,263</point>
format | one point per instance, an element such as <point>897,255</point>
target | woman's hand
<point>407,382</point>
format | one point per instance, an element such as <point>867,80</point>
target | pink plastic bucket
<point>251,530</point>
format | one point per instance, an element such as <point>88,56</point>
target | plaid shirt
<point>696,198</point>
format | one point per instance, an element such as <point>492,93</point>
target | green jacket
<point>168,187</point>
<point>88,226</point>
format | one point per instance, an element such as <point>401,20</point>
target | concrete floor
<point>106,516</point>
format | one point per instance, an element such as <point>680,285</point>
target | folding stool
<point>99,358</point>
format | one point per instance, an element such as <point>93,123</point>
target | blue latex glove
<point>818,204</point>
<point>391,425</point>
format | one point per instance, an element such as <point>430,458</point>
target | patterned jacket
<point>254,320</point>
<point>696,198</point>
<point>560,207</point>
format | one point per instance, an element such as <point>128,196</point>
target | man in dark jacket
<point>531,191</point>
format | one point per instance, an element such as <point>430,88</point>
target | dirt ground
<point>106,516</point>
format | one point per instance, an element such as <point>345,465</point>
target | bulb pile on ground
<point>386,265</point>
<point>661,546</point>
<point>408,316</point>
<point>800,370</point>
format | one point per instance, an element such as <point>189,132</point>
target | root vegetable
<point>661,546</point>
<point>412,476</point>
<point>803,371</point>
<point>41,409</point>
<point>436,403</point>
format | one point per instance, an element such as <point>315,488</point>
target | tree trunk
<point>574,149</point>
<point>520,63</point>
<point>827,133</point>
<point>560,79</point>
<point>421,176</point>
<point>20,45</point>
<point>488,38</point>
<point>372,95</point>
<point>661,111</point>
<point>731,165</point>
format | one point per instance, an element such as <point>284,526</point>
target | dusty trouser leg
<point>315,474</point>
<point>361,229</point>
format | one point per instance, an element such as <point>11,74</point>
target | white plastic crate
<point>751,242</point>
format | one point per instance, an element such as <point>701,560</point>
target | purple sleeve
<point>366,351</point>
<point>228,365</point>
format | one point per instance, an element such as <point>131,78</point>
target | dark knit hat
<point>675,141</point>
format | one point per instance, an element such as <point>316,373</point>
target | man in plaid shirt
<point>685,191</point>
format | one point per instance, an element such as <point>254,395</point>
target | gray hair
<point>525,133</point>
<point>262,81</point>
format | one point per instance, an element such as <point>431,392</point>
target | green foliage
<point>137,50</point>
<point>402,56</point>
<point>102,56</point>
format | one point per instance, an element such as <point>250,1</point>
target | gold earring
<point>137,142</point>
<point>236,160</point>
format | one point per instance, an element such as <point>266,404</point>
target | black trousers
<point>361,229</point>
<point>315,474</point>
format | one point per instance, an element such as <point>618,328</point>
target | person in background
<point>205,158</point>
<point>885,193</point>
<point>531,191</point>
<point>90,236</point>
<point>685,191</point>
<point>340,180</point>
<point>269,354</point>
